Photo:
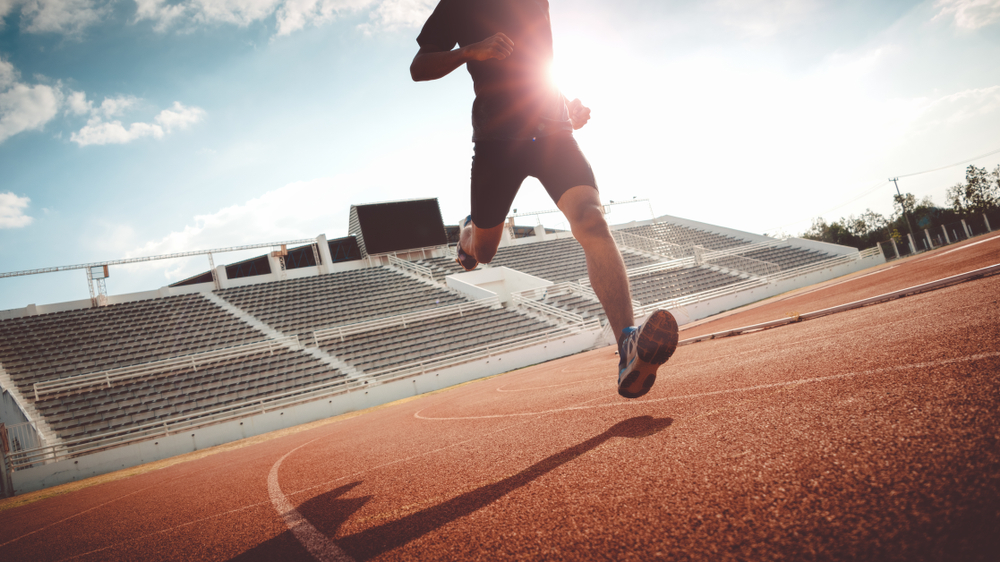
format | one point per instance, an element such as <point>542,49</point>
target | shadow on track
<point>327,512</point>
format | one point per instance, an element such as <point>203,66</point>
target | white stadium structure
<point>329,327</point>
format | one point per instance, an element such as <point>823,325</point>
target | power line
<point>950,165</point>
<point>873,189</point>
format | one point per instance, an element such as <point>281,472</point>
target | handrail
<point>465,356</point>
<point>546,309</point>
<point>86,381</point>
<point>649,245</point>
<point>415,267</point>
<point>402,319</point>
<point>651,268</point>
<point>184,422</point>
<point>870,252</point>
<point>750,283</point>
<point>723,258</point>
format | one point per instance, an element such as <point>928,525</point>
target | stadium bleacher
<point>51,346</point>
<point>686,236</point>
<point>388,347</point>
<point>300,306</point>
<point>556,260</point>
<point>212,387</point>
<point>351,322</point>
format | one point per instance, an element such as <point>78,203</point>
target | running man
<point>523,126</point>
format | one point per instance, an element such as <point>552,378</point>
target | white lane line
<point>167,530</point>
<point>318,545</point>
<point>81,513</point>
<point>994,239</point>
<point>419,455</point>
<point>321,547</point>
<point>925,365</point>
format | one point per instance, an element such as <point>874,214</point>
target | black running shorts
<point>499,167</point>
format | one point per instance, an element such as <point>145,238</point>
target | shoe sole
<point>657,342</point>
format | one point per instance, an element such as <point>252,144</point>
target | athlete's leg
<point>582,207</point>
<point>480,243</point>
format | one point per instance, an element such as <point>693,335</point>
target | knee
<point>589,224</point>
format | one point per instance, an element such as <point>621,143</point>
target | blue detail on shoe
<point>467,262</point>
<point>642,350</point>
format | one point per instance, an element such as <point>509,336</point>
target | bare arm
<point>431,63</point>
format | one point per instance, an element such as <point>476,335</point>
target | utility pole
<point>902,204</point>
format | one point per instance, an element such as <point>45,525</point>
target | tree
<point>979,193</point>
<point>860,232</point>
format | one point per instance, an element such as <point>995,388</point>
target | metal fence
<point>402,319</point>
<point>653,246</point>
<point>734,260</point>
<point>17,438</point>
<point>89,381</point>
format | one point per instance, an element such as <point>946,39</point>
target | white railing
<point>21,437</point>
<point>178,424</point>
<point>653,246</point>
<point>482,352</point>
<point>89,381</point>
<point>817,266</point>
<point>870,252</point>
<point>402,319</point>
<point>531,296</point>
<point>736,261</point>
<point>421,270</point>
<point>546,309</point>
<point>751,283</point>
<point>648,269</point>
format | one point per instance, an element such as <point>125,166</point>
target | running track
<point>869,434</point>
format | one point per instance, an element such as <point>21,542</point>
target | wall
<point>499,281</point>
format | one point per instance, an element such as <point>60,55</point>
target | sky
<point>134,128</point>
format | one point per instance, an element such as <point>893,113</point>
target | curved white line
<point>318,544</point>
<point>924,365</point>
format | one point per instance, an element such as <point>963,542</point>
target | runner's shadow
<point>327,512</point>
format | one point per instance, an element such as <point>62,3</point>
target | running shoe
<point>642,350</point>
<point>467,262</point>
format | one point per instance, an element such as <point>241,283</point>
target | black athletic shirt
<point>515,97</point>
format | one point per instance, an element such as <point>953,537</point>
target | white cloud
<point>179,117</point>
<point>24,107</point>
<point>956,108</point>
<point>290,15</point>
<point>112,107</point>
<point>7,73</point>
<point>12,211</point>
<point>27,108</point>
<point>391,15</point>
<point>55,16</point>
<point>98,131</point>
<point>77,103</point>
<point>72,16</point>
<point>970,14</point>
<point>296,14</point>
<point>269,217</point>
<point>113,132</point>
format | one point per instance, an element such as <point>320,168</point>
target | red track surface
<point>870,434</point>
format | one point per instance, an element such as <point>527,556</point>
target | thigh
<point>560,165</point>
<point>498,169</point>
